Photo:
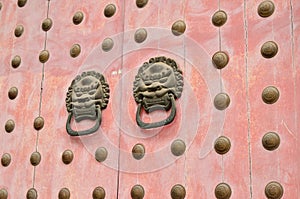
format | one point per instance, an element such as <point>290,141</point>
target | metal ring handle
<point>166,121</point>
<point>84,132</point>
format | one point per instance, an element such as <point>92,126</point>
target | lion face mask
<point>87,95</point>
<point>157,85</point>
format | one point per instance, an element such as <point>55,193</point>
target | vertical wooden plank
<point>201,43</point>
<point>233,42</point>
<point>277,165</point>
<point>84,173</point>
<point>158,164</point>
<point>20,143</point>
<point>295,28</point>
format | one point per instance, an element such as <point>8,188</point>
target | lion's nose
<point>83,99</point>
<point>154,87</point>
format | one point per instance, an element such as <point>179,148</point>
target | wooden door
<point>235,132</point>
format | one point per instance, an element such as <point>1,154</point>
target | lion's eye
<point>92,92</point>
<point>163,80</point>
<point>148,83</point>
<point>78,94</point>
<point>77,89</point>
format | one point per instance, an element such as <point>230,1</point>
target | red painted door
<point>235,132</point>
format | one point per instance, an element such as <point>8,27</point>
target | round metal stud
<point>266,8</point>
<point>19,30</point>
<point>219,18</point>
<point>107,44</point>
<point>3,194</point>
<point>222,145</point>
<point>101,154</point>
<point>220,59</point>
<point>178,147</point>
<point>16,61</point>
<point>67,156</point>
<point>35,158</point>
<point>138,151</point>
<point>21,3</point>
<point>221,101</point>
<point>32,194</point>
<point>137,192</point>
<point>64,193</point>
<point>222,191</point>
<point>75,50</point>
<point>178,192</point>
<point>271,141</point>
<point>178,28</point>
<point>109,10</point>
<point>270,95</point>
<point>274,190</point>
<point>98,193</point>
<point>140,35</point>
<point>13,93</point>
<point>78,17</point>
<point>9,126</point>
<point>47,24</point>
<point>38,123</point>
<point>6,159</point>
<point>141,3</point>
<point>269,49</point>
<point>44,56</point>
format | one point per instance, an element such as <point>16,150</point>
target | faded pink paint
<point>200,169</point>
<point>17,177</point>
<point>279,165</point>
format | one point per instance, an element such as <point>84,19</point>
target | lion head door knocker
<point>158,83</point>
<point>86,97</point>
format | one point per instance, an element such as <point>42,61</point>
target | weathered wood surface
<point>247,167</point>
